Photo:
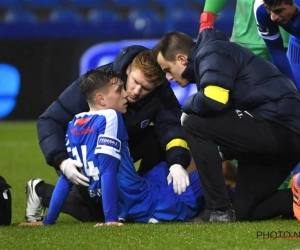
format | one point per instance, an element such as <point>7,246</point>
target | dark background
<point>46,67</point>
<point>47,53</point>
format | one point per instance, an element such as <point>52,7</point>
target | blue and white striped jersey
<point>98,139</point>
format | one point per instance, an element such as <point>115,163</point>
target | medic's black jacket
<point>253,83</point>
<point>160,107</point>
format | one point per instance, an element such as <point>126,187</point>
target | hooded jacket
<point>160,107</point>
<point>252,83</point>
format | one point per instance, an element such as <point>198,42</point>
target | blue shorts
<point>142,198</point>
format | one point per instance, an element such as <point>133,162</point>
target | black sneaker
<point>209,215</point>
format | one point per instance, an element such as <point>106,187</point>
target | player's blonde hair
<point>149,67</point>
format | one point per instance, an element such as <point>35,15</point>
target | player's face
<point>174,69</point>
<point>137,86</point>
<point>281,14</point>
<point>116,97</point>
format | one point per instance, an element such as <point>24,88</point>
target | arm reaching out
<point>118,224</point>
<point>211,9</point>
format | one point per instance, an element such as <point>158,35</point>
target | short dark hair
<point>96,79</point>
<point>173,43</point>
<point>275,3</point>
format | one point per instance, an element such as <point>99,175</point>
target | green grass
<point>21,160</point>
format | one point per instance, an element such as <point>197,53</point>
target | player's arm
<point>217,73</point>
<point>279,58</point>
<point>59,195</point>
<point>108,166</point>
<point>211,9</point>
<point>168,127</point>
<point>53,123</point>
<point>108,150</point>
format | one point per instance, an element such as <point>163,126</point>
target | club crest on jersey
<point>107,141</point>
<point>81,121</point>
<point>263,30</point>
<point>145,123</point>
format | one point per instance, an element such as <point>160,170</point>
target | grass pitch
<point>21,160</point>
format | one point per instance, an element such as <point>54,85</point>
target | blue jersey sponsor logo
<point>109,142</point>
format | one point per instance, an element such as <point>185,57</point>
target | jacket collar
<point>205,37</point>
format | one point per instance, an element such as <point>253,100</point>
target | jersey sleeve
<point>59,195</point>
<point>110,135</point>
<point>108,151</point>
<point>108,166</point>
<point>169,130</point>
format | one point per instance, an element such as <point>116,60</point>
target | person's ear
<point>99,99</point>
<point>182,59</point>
<point>128,70</point>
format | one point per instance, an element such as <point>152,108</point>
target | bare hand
<point>31,224</point>
<point>118,224</point>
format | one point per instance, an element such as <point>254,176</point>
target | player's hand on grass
<point>31,224</point>
<point>179,177</point>
<point>69,169</point>
<point>112,223</point>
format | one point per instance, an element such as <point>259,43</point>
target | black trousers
<point>266,152</point>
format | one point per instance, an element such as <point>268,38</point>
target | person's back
<point>254,83</point>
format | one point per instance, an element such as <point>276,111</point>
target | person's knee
<point>244,209</point>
